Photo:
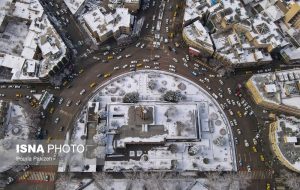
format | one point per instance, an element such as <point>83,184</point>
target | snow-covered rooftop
<point>19,41</point>
<point>74,5</point>
<point>287,140</point>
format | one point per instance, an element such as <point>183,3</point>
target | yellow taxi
<point>110,57</point>
<point>254,149</point>
<point>81,71</point>
<point>139,65</point>
<point>262,158</point>
<point>51,110</point>
<point>49,139</point>
<point>26,176</point>
<point>239,113</point>
<point>268,187</point>
<point>107,75</point>
<point>65,83</point>
<point>92,84</point>
<point>19,95</point>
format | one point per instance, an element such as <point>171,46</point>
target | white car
<point>155,63</point>
<point>128,55</point>
<point>175,60</point>
<point>238,103</point>
<point>69,103</point>
<point>221,96</point>
<point>246,143</point>
<point>214,95</point>
<point>230,112</point>
<point>184,60</point>
<point>172,66</point>
<point>2,95</point>
<point>196,65</point>
<point>173,70</point>
<point>228,101</point>
<point>156,68</point>
<point>186,65</point>
<point>82,91</point>
<point>145,60</point>
<point>147,67</point>
<point>133,62</point>
<point>201,80</point>
<point>249,168</point>
<point>132,66</point>
<point>157,56</point>
<point>61,101</point>
<point>239,132</point>
<point>56,120</point>
<point>229,90</point>
<point>187,57</point>
<point>254,141</point>
<point>221,82</point>
<point>206,79</point>
<point>78,102</point>
<point>125,66</point>
<point>138,44</point>
<point>119,57</point>
<point>233,102</point>
<point>234,122</point>
<point>116,68</point>
<point>142,46</point>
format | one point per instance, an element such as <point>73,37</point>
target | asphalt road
<point>92,67</point>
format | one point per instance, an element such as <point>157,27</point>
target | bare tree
<point>290,179</point>
<point>102,178</point>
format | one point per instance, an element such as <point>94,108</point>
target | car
<point>201,80</point>
<point>155,63</point>
<point>138,44</point>
<point>208,87</point>
<point>175,60</point>
<point>125,66</point>
<point>56,120</point>
<point>196,65</point>
<point>184,60</point>
<point>214,95</point>
<point>47,178</point>
<point>110,57</point>
<point>147,25</point>
<point>133,62</point>
<point>172,66</point>
<point>51,110</point>
<point>230,112</point>
<point>228,101</point>
<point>221,82</point>
<point>249,168</point>
<point>132,66</point>
<point>187,57</point>
<point>254,141</point>
<point>262,158</point>
<point>139,65</point>
<point>142,46</point>
<point>99,75</point>
<point>236,141</point>
<point>69,102</point>
<point>147,67</point>
<point>81,71</point>
<point>107,75</point>
<point>3,86</point>
<point>229,91</point>
<point>78,102</point>
<point>133,69</point>
<point>233,102</point>
<point>61,129</point>
<point>92,85</point>
<point>157,56</point>
<point>220,95</point>
<point>2,95</point>
<point>145,60</point>
<point>60,100</point>
<point>105,53</point>
<point>52,100</point>
<point>245,113</point>
<point>246,143</point>
<point>251,113</point>
<point>156,68</point>
<point>239,113</point>
<point>254,149</point>
<point>194,73</point>
<point>32,91</point>
<point>206,79</point>
<point>234,122</point>
<point>82,91</point>
<point>127,55</point>
<point>119,57</point>
<point>185,64</point>
<point>268,186</point>
<point>239,132</point>
<point>231,123</point>
<point>238,103</point>
<point>240,163</point>
<point>10,180</point>
<point>116,68</point>
<point>17,86</point>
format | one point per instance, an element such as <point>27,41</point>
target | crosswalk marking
<point>37,176</point>
<point>258,174</point>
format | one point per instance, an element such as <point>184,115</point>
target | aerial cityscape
<point>149,94</point>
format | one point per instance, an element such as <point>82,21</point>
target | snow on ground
<point>121,184</point>
<point>215,147</point>
<point>17,127</point>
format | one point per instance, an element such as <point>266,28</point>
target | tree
<point>290,179</point>
<point>131,97</point>
<point>172,96</point>
<point>151,84</point>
